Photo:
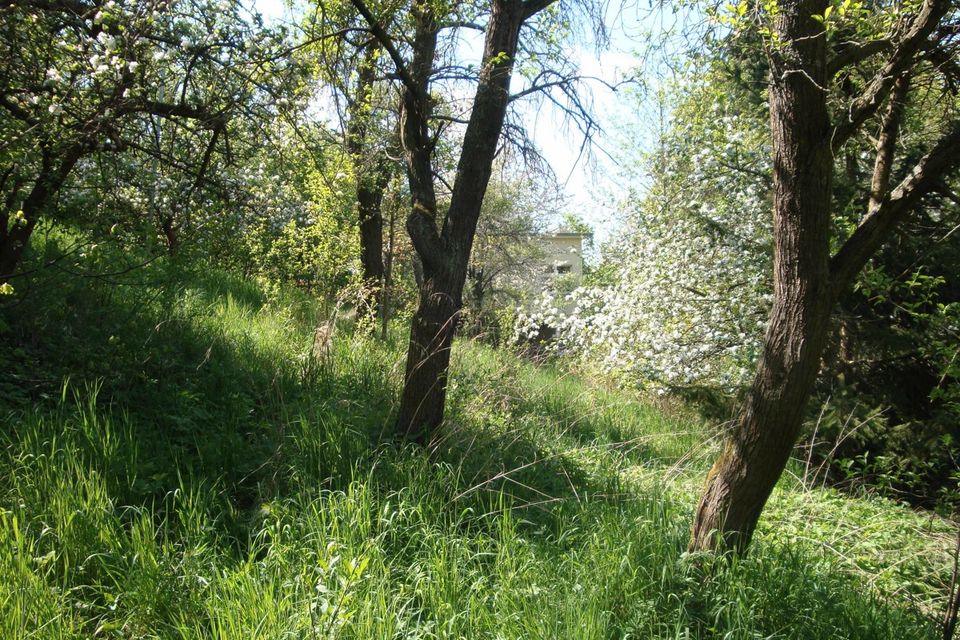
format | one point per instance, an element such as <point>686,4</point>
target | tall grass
<point>202,475</point>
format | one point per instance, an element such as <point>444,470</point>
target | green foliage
<point>206,474</point>
<point>136,106</point>
<point>319,249</point>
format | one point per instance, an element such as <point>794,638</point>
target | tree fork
<point>445,252</point>
<point>807,280</point>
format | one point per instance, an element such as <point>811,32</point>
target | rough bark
<point>807,281</point>
<point>743,477</point>
<point>428,359</point>
<point>445,252</point>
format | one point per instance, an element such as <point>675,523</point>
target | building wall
<point>562,260</point>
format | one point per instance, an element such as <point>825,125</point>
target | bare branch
<point>875,227</point>
<point>462,24</point>
<point>899,61</point>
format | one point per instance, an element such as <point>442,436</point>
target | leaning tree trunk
<point>807,281</point>
<point>446,253</point>
<point>741,480</point>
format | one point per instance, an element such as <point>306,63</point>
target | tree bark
<point>386,298</point>
<point>371,177</point>
<point>428,359</point>
<point>742,478</point>
<point>807,280</point>
<point>445,254</point>
<point>13,242</point>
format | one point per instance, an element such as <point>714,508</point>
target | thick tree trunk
<point>743,477</point>
<point>428,359</point>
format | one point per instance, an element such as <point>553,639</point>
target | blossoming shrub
<point>692,287</point>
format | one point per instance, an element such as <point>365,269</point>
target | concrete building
<point>560,266</point>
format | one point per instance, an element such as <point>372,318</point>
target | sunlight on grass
<point>256,494</point>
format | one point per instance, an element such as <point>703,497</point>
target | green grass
<point>201,475</point>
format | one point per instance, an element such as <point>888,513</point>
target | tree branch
<point>16,110</point>
<point>855,53</point>
<point>899,61</point>
<point>70,6</point>
<point>384,38</point>
<point>887,142</point>
<point>876,226</point>
<point>425,237</point>
<point>173,110</point>
<point>531,7</point>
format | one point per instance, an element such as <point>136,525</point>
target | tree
<point>507,252</point>
<point>443,241</point>
<point>808,280</point>
<point>82,79</point>
<point>690,262</point>
<point>372,170</point>
<point>352,68</point>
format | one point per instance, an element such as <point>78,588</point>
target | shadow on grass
<point>497,468</point>
<point>212,386</point>
<point>212,383</point>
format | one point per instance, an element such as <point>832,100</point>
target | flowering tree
<point>82,80</point>
<point>691,289</point>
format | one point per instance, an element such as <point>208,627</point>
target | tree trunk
<point>371,177</point>
<point>369,199</point>
<point>386,297</point>
<point>807,280</point>
<point>15,237</point>
<point>13,242</point>
<point>428,359</point>
<point>446,253</point>
<point>171,234</point>
<point>741,480</point>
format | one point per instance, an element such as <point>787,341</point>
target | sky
<point>592,179</point>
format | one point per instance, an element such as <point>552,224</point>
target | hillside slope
<point>178,461</point>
